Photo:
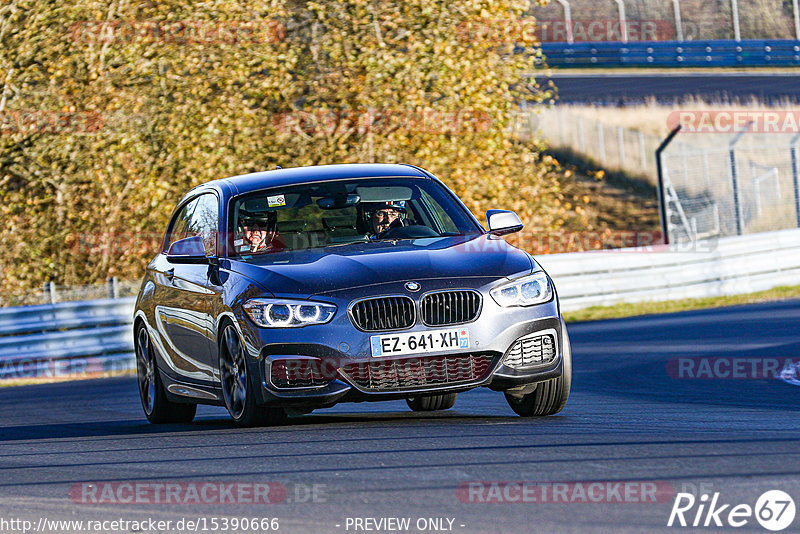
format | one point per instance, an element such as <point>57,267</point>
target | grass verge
<point>670,306</point>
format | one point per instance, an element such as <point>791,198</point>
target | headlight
<point>283,313</point>
<point>526,291</point>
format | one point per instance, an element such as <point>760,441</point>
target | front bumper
<point>341,354</point>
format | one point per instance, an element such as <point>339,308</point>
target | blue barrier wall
<point>720,53</point>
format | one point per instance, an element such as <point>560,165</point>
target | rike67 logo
<point>774,510</point>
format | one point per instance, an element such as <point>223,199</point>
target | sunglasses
<point>384,214</point>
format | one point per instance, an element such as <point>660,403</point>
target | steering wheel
<point>395,224</point>
<point>406,230</point>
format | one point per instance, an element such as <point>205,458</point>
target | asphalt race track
<point>612,89</point>
<point>628,421</point>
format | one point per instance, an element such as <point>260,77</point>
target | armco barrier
<point>716,53</point>
<point>727,266</point>
<point>67,339</point>
<point>94,337</point>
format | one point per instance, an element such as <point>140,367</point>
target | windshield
<point>343,212</point>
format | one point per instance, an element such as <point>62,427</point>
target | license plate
<point>420,342</point>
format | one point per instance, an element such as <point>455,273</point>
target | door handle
<point>170,273</point>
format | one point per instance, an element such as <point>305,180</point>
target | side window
<point>204,222</point>
<point>439,214</point>
<point>180,224</point>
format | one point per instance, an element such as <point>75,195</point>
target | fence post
<point>50,292</point>
<point>756,188</point>
<point>561,126</point>
<point>737,34</point>
<point>662,203</point>
<point>737,205</point>
<point>601,141</point>
<point>533,122</point>
<point>795,179</point>
<point>567,18</point>
<point>581,136</point>
<point>706,169</point>
<point>643,151</point>
<point>113,287</point>
<point>621,141</point>
<point>623,23</point>
<point>676,6</point>
<point>796,12</point>
<point>684,166</point>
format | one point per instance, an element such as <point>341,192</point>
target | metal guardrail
<point>74,339</point>
<point>727,266</point>
<point>716,53</point>
<point>66,339</point>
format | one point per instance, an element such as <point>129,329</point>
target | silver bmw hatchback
<point>285,291</point>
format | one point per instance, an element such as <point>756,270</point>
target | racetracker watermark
<point>184,32</point>
<point>730,368</point>
<point>567,241</point>
<point>46,368</point>
<point>534,241</point>
<point>327,122</point>
<point>200,492</point>
<point>531,30</point>
<point>301,372</point>
<point>734,121</point>
<point>37,121</point>
<point>602,241</point>
<point>597,492</point>
<point>115,243</point>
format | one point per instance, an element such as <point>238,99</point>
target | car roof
<point>246,183</point>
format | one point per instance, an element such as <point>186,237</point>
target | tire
<point>157,408</point>
<point>432,403</point>
<point>238,390</point>
<point>550,396</point>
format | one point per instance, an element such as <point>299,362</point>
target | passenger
<point>259,234</point>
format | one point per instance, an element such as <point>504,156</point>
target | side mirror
<point>188,250</point>
<point>503,222</point>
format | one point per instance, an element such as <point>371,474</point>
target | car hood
<point>324,270</point>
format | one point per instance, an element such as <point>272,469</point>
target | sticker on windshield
<point>276,201</point>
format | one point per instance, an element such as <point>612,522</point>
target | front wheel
<point>237,389</point>
<point>157,408</point>
<point>432,403</point>
<point>550,396</point>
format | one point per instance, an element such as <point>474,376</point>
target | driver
<point>383,214</point>
<point>259,233</point>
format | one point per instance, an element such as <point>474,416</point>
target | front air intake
<point>532,350</point>
<point>421,372</point>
